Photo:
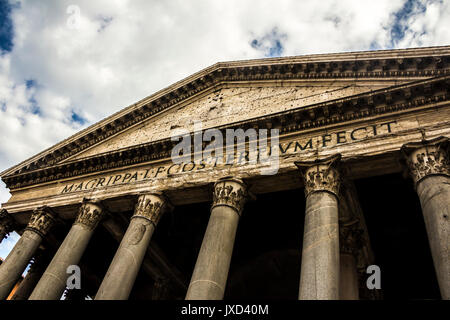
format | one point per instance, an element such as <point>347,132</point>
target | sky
<point>65,65</point>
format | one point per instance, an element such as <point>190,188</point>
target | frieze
<point>376,67</point>
<point>375,103</point>
<point>292,147</point>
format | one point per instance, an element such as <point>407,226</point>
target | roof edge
<point>312,58</point>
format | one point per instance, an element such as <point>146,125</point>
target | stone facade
<point>341,117</point>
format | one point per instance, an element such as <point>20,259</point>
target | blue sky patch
<point>271,44</point>
<point>77,118</point>
<point>35,109</point>
<point>410,8</point>
<point>30,83</point>
<point>6,27</point>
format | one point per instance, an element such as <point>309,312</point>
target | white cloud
<point>126,50</point>
<point>427,24</point>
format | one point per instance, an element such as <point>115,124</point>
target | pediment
<point>229,104</point>
<point>233,91</point>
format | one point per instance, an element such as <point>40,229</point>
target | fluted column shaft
<point>319,276</point>
<point>11,269</point>
<point>211,269</point>
<point>122,272</point>
<point>429,166</point>
<point>53,281</point>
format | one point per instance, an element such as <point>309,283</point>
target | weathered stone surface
<point>53,282</point>
<point>367,127</point>
<point>429,166</point>
<point>434,194</point>
<point>17,261</point>
<point>319,278</point>
<point>211,269</point>
<point>35,272</point>
<point>366,146</point>
<point>127,261</point>
<point>40,223</point>
<point>219,107</point>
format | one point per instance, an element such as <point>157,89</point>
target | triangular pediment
<point>235,91</point>
<point>227,104</point>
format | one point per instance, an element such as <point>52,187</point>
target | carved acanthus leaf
<point>41,221</point>
<point>150,207</point>
<point>231,193</point>
<point>89,215</point>
<point>321,175</point>
<point>427,158</point>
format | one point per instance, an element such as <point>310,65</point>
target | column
<point>35,272</point>
<point>127,261</point>
<point>350,244</point>
<point>53,281</point>
<point>211,269</point>
<point>11,269</point>
<point>6,224</point>
<point>319,276</point>
<point>429,166</point>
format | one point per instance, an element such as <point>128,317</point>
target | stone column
<point>11,269</point>
<point>7,224</point>
<point>53,282</point>
<point>429,166</point>
<point>350,243</point>
<point>319,277</point>
<point>35,272</point>
<point>127,261</point>
<point>211,269</point>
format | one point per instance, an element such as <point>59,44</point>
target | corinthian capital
<point>321,175</point>
<point>230,192</point>
<point>151,207</point>
<point>7,223</point>
<point>426,158</point>
<point>41,220</point>
<point>90,214</point>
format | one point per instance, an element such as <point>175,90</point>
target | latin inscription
<point>163,171</point>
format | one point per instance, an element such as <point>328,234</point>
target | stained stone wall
<point>370,155</point>
<point>230,104</point>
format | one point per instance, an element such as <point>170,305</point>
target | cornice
<point>404,63</point>
<point>365,105</point>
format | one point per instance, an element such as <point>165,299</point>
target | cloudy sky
<point>65,65</point>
